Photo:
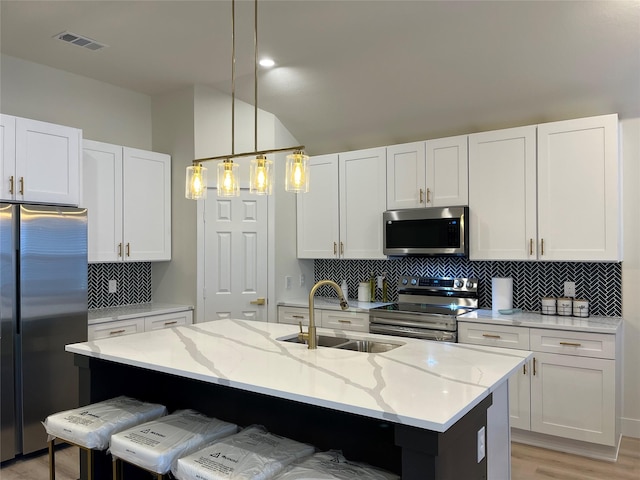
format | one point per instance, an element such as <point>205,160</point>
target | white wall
<point>631,276</point>
<point>104,112</point>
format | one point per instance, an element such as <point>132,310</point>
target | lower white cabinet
<point>335,319</point>
<point>567,390</point>
<point>139,324</point>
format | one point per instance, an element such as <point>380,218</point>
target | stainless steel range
<point>427,308</point>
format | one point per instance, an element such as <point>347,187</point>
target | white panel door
<point>317,210</point>
<point>363,199</point>
<point>102,196</point>
<point>502,194</point>
<point>235,256</point>
<point>147,205</point>
<point>47,162</point>
<point>578,189</point>
<point>8,159</point>
<point>406,175</point>
<point>574,397</point>
<point>447,172</point>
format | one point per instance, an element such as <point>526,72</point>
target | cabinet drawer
<point>295,315</point>
<point>168,320</point>
<point>345,320</point>
<point>583,344</point>
<point>115,329</point>
<point>504,336</point>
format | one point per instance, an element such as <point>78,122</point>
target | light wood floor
<point>527,463</point>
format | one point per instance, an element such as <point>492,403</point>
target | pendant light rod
<point>233,76</point>
<point>255,74</point>
<point>248,154</point>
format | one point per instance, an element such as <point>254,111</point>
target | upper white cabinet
<point>549,192</point>
<point>341,216</point>
<point>128,194</point>
<point>428,174</point>
<point>40,161</point>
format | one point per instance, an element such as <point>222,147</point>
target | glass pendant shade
<point>261,176</point>
<point>297,179</point>
<point>196,182</point>
<point>228,185</point>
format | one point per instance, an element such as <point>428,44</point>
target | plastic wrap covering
<point>333,466</point>
<point>156,445</point>
<point>92,426</point>
<point>252,454</point>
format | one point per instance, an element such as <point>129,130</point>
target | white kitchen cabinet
<point>546,192</point>
<point>428,174</point>
<point>345,320</point>
<point>567,390</point>
<point>138,324</point>
<point>341,216</point>
<point>40,161</point>
<point>579,190</point>
<point>128,195</point>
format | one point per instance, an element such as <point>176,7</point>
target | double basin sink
<point>368,346</point>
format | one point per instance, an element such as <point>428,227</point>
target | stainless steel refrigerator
<point>43,307</point>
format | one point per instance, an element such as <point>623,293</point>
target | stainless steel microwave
<point>426,232</point>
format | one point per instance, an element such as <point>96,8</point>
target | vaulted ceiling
<point>357,73</point>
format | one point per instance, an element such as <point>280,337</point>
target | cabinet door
<point>115,329</point>
<point>295,315</point>
<point>102,196</point>
<point>447,172</point>
<point>406,176</point>
<point>363,199</point>
<point>578,189</point>
<point>47,162</point>
<point>502,194</point>
<point>574,397</point>
<point>146,205</point>
<point>520,398</point>
<point>317,210</point>
<point>168,320</point>
<point>8,159</point>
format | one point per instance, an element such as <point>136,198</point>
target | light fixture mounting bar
<point>248,154</point>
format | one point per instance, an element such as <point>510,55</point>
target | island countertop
<point>429,385</point>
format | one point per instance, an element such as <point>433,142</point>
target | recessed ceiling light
<point>267,62</point>
<point>79,40</point>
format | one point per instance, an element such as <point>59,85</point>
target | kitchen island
<point>416,409</point>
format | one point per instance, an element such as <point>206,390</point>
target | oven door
<point>410,329</point>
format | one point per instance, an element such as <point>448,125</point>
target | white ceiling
<point>356,74</point>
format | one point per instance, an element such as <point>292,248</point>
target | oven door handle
<point>448,323</point>
<point>423,334</point>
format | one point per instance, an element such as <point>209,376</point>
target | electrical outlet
<point>113,286</point>
<point>481,444</point>
<point>302,280</point>
<point>287,282</point>
<point>569,289</point>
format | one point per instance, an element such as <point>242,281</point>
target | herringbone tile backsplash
<point>134,284</point>
<point>599,283</point>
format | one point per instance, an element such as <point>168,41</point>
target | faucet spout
<point>312,338</point>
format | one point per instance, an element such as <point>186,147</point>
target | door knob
<point>258,301</point>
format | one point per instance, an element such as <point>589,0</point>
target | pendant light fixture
<point>261,169</point>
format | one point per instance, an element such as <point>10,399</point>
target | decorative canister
<point>363,292</point>
<point>548,306</point>
<point>580,308</point>
<point>564,306</point>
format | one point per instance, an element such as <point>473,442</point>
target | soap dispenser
<point>345,289</point>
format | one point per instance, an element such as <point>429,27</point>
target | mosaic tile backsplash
<point>134,284</point>
<point>599,283</point>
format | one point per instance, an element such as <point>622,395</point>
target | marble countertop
<point>125,312</point>
<point>537,320</point>
<point>429,385</point>
<point>332,303</point>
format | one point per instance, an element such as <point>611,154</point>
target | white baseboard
<point>630,427</point>
<point>576,447</point>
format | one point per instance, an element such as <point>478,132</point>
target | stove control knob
<point>459,284</point>
<point>405,281</point>
<point>469,284</point>
<point>414,281</point>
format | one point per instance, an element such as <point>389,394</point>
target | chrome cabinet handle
<point>11,186</point>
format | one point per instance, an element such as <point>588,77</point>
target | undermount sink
<point>368,346</point>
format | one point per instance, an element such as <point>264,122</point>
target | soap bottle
<point>385,297</point>
<point>372,287</point>
<point>345,289</point>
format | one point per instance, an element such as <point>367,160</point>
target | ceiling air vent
<point>79,40</point>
